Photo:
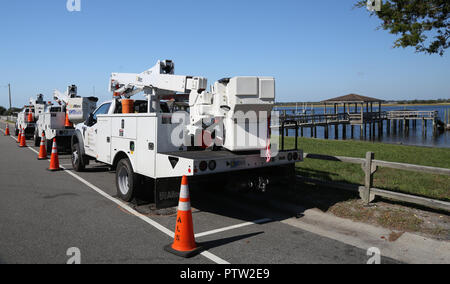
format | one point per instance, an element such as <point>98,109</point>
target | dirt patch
<point>395,236</point>
<point>395,217</point>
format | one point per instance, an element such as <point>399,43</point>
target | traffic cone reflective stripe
<point>54,160</point>
<point>23,141</point>
<point>184,191</point>
<point>42,149</point>
<point>184,244</point>
<point>7,130</point>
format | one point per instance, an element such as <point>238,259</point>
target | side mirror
<point>90,120</point>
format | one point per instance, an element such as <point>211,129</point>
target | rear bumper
<point>166,190</point>
<point>64,132</point>
<point>199,163</point>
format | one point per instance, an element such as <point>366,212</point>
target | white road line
<point>121,204</point>
<point>156,225</point>
<point>33,150</point>
<point>214,258</point>
<point>262,221</point>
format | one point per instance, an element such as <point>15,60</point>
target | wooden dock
<point>368,122</point>
<point>354,110</point>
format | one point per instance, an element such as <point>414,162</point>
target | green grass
<point>428,185</point>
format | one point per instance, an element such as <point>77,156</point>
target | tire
<point>37,140</point>
<point>17,131</point>
<point>126,180</point>
<point>49,146</point>
<point>78,161</point>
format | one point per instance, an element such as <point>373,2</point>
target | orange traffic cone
<point>54,160</point>
<point>184,243</point>
<point>23,141</point>
<point>7,130</point>
<point>68,124</point>
<point>42,149</point>
<point>30,116</point>
<point>20,135</point>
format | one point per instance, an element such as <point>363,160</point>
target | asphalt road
<point>43,214</point>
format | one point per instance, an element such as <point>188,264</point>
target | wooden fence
<point>368,192</point>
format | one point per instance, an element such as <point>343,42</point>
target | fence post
<point>369,170</point>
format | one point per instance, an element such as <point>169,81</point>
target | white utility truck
<point>151,147</point>
<point>57,121</point>
<point>26,119</point>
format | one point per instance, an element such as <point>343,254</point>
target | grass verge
<point>421,184</point>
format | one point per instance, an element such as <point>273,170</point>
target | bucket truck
<point>27,118</point>
<point>57,120</point>
<point>151,147</point>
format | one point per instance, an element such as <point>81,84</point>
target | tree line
<point>5,111</point>
<point>417,102</point>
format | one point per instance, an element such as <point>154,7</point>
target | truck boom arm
<point>159,78</point>
<point>63,99</point>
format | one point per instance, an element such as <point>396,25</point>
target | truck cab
<point>96,131</point>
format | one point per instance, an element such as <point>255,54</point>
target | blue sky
<point>315,49</point>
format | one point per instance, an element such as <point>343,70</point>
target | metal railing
<point>304,120</point>
<point>315,119</point>
<point>400,114</point>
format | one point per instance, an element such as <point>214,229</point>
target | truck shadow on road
<point>207,245</point>
<point>280,202</point>
<point>277,204</point>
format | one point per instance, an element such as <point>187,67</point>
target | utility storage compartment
<point>250,100</point>
<point>124,127</point>
<point>79,109</point>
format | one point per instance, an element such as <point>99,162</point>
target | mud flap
<point>167,192</point>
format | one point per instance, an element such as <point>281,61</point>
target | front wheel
<point>77,159</point>
<point>126,180</point>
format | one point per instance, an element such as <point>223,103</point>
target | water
<point>412,137</point>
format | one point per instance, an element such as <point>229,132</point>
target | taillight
<point>212,165</point>
<point>203,166</point>
<point>290,157</point>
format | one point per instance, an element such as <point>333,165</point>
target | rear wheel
<point>126,180</point>
<point>37,140</point>
<point>78,161</point>
<point>49,146</point>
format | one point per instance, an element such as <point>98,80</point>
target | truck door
<point>90,140</point>
<point>103,142</point>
